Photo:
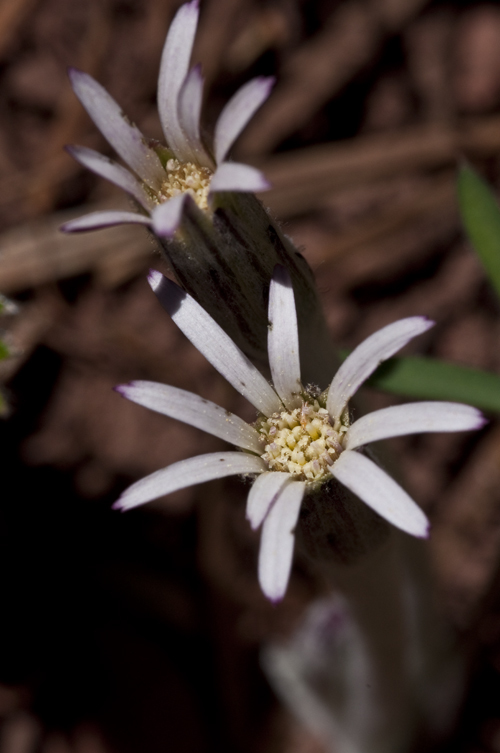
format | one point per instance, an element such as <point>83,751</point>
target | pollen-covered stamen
<point>302,442</point>
<point>185,177</point>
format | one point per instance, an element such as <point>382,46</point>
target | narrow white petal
<point>216,346</point>
<point>193,410</point>
<point>166,217</point>
<point>97,220</point>
<point>113,172</point>
<point>413,418</point>
<point>380,492</point>
<point>263,493</point>
<point>278,539</point>
<point>364,359</point>
<point>173,70</point>
<point>233,176</point>
<point>123,136</point>
<point>283,339</point>
<point>188,473</point>
<point>190,101</point>
<point>238,112</point>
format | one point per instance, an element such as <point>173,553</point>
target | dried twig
<point>12,15</point>
<point>37,253</point>
<point>436,197</point>
<point>69,116</point>
<point>466,533</point>
<point>301,179</point>
<point>322,66</point>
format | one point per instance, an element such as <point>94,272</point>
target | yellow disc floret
<point>185,177</point>
<point>302,442</point>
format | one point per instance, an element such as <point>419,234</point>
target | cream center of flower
<point>302,442</point>
<point>186,177</point>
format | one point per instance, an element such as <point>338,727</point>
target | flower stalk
<point>225,263</point>
<point>372,668</point>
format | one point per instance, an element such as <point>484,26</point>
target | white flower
<point>162,178</point>
<point>300,438</point>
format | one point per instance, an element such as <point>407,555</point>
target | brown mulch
<point>141,631</point>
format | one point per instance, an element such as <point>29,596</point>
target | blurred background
<point>140,632</point>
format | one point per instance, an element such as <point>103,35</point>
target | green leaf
<point>430,379</point>
<point>481,218</point>
<point>4,350</point>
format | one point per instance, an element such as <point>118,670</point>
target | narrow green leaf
<point>481,218</point>
<point>4,350</point>
<point>430,379</point>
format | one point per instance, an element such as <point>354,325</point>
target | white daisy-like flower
<point>301,438</point>
<point>162,178</point>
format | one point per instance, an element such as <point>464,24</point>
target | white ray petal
<point>278,539</point>
<point>124,137</point>
<point>216,346</point>
<point>188,473</point>
<point>113,172</point>
<point>166,217</point>
<point>173,70</point>
<point>364,359</point>
<point>283,339</point>
<point>264,491</point>
<point>190,101</point>
<point>380,492</point>
<point>233,176</point>
<point>193,410</point>
<point>412,418</point>
<point>97,220</point>
<point>238,112</point>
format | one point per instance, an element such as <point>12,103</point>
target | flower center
<point>302,442</point>
<point>186,177</point>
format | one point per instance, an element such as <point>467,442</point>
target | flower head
<point>301,437</point>
<point>162,178</point>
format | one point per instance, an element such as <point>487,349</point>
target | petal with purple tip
<point>233,176</point>
<point>97,220</point>
<point>364,359</point>
<point>193,410</point>
<point>166,217</point>
<point>173,70</point>
<point>278,539</point>
<point>188,473</point>
<point>283,339</point>
<point>380,492</point>
<point>215,345</point>
<point>123,136</point>
<point>263,493</point>
<point>238,111</point>
<point>111,171</point>
<point>412,418</point>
